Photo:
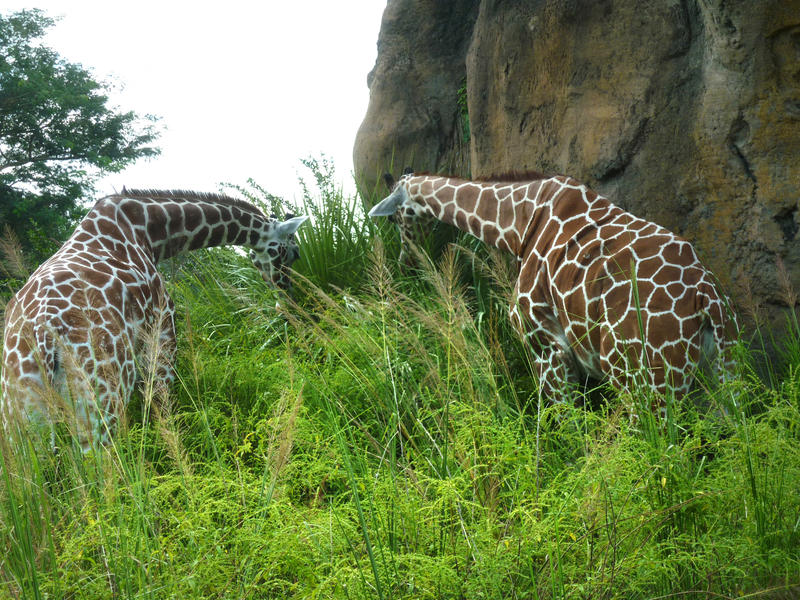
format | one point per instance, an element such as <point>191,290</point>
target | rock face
<point>413,115</point>
<point>685,112</point>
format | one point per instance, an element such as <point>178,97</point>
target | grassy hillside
<point>381,437</point>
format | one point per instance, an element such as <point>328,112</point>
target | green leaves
<point>57,132</point>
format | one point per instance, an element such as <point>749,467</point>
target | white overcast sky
<point>243,88</point>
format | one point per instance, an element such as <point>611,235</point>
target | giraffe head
<point>276,250</point>
<point>414,219</point>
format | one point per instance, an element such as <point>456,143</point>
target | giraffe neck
<point>494,212</point>
<point>168,223</point>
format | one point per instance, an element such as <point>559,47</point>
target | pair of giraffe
<point>600,292</point>
<point>97,314</point>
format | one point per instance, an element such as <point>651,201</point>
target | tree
<point>57,135</point>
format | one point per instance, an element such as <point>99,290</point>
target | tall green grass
<point>379,436</point>
<point>336,244</point>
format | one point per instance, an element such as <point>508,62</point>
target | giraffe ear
<point>389,181</point>
<point>289,226</point>
<point>388,206</point>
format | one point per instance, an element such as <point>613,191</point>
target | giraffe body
<point>77,333</point>
<point>601,293</point>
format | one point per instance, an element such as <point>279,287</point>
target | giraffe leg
<point>159,348</point>
<point>554,373</point>
<point>165,370</point>
<point>29,398</point>
<point>655,377</point>
<point>552,359</point>
<point>92,387</point>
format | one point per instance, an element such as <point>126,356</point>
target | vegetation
<point>57,135</point>
<point>381,437</point>
<point>463,111</point>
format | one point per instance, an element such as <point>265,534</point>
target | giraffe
<point>600,293</point>
<point>75,334</point>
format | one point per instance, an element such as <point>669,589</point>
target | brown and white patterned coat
<point>600,293</point>
<point>74,339</point>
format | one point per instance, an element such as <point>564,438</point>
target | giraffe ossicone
<point>600,293</point>
<point>96,315</point>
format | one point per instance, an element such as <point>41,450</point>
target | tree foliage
<point>57,134</point>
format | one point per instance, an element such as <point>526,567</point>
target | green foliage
<point>463,112</point>
<point>388,442</point>
<point>335,245</point>
<point>57,134</point>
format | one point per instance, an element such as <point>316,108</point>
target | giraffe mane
<point>513,176</point>
<point>156,194</point>
<point>506,176</point>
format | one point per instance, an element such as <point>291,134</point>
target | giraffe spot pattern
<point>79,326</point>
<point>600,292</point>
